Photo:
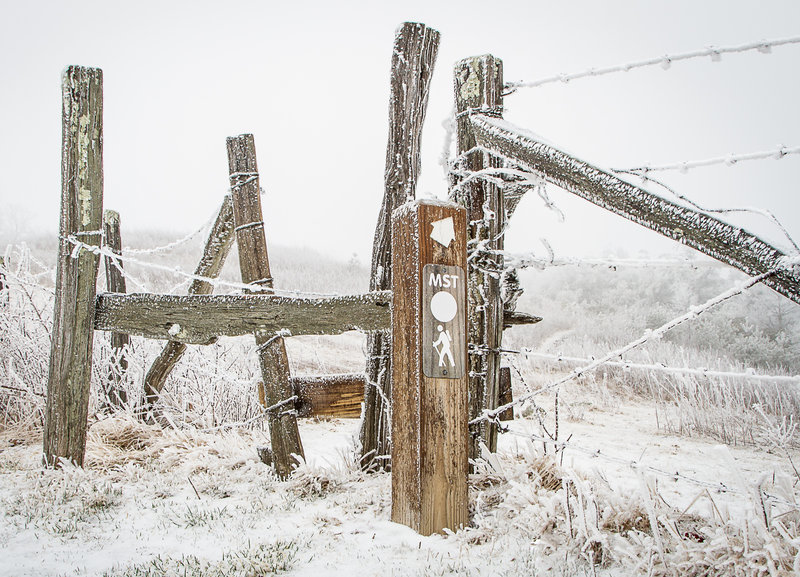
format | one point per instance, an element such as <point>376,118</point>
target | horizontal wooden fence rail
<point>335,396</point>
<point>200,319</point>
<point>720,240</point>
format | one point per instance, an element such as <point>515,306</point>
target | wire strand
<point>665,62</point>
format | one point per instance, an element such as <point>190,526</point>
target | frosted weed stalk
<point>569,519</point>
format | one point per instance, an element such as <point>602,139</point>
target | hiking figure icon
<point>444,341</point>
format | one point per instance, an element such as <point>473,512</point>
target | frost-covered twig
<point>715,53</point>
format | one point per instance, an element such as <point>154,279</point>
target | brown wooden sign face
<point>444,343</point>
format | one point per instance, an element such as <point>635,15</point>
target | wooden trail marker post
<point>254,264</point>
<point>115,283</point>
<point>76,271</point>
<point>429,367</point>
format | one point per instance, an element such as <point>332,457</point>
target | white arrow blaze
<point>443,232</point>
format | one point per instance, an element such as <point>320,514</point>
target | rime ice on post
<point>413,59</point>
<point>478,90</point>
<point>429,359</point>
<point>254,265</point>
<point>76,275</point>
<point>115,283</point>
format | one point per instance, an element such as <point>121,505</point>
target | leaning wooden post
<point>218,245</point>
<point>76,271</point>
<point>478,89</point>
<point>254,264</point>
<point>429,367</point>
<point>413,59</point>
<point>115,283</point>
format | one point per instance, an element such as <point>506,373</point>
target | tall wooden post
<point>413,59</point>
<point>429,367</point>
<point>254,264</point>
<point>218,245</point>
<point>76,271</point>
<point>478,88</point>
<point>115,283</point>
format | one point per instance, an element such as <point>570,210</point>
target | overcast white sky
<point>310,81</point>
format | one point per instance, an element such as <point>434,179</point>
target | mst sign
<point>443,321</point>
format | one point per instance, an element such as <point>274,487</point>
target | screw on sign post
<point>430,436</point>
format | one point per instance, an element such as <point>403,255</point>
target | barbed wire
<point>749,210</point>
<point>729,160</point>
<point>665,62</point>
<point>628,365</point>
<point>215,282</point>
<point>650,334</point>
<point>530,260</point>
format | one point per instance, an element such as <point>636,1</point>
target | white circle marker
<point>444,306</point>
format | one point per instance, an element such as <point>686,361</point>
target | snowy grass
<point>192,497</point>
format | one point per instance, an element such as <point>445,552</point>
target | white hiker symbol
<point>444,340</point>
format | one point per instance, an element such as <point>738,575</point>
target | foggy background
<point>311,81</point>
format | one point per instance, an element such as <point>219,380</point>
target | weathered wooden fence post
<point>413,59</point>
<point>218,245</point>
<point>115,283</point>
<point>478,89</point>
<point>76,275</point>
<point>3,293</point>
<point>429,367</point>
<point>254,264</point>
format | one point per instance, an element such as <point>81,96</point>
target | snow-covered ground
<point>184,502</point>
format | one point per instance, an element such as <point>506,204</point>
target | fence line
<point>729,160</point>
<point>239,286</point>
<point>527,352</point>
<point>649,334</point>
<point>715,53</point>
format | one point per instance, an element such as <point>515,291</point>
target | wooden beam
<point>479,88</point>
<point>115,394</point>
<point>218,245</point>
<point>430,435</point>
<point>413,59</point>
<point>200,319</point>
<point>254,265</point>
<point>335,396</point>
<point>724,242</point>
<point>514,318</point>
<point>70,371</point>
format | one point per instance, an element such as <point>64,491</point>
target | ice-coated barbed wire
<point>749,210</point>
<point>215,282</point>
<point>628,365</point>
<point>530,260</point>
<point>665,62</point>
<point>649,334</point>
<point>637,465</point>
<point>729,160</point>
<point>176,243</point>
